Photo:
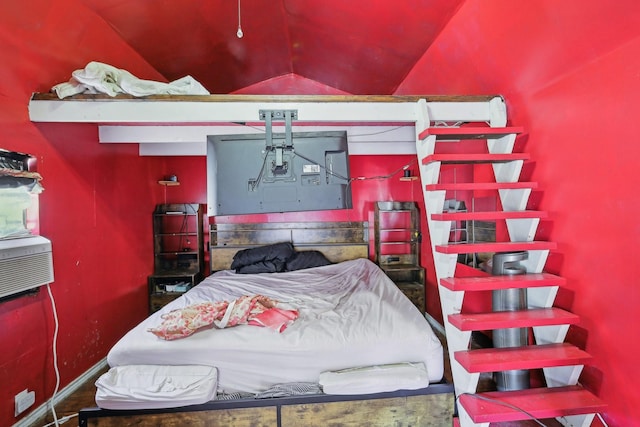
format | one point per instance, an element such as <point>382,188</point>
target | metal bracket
<point>270,115</point>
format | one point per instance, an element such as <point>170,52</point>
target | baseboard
<point>434,323</point>
<point>41,411</point>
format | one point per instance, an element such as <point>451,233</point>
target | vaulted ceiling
<point>355,46</point>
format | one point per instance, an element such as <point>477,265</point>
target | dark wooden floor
<point>85,397</point>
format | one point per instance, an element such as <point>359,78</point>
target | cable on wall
<point>55,356</point>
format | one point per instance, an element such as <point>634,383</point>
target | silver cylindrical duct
<point>510,300</point>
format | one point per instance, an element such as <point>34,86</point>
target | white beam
<point>187,122</point>
<point>195,112</point>
<point>191,140</point>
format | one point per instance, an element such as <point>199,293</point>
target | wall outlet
<point>24,400</point>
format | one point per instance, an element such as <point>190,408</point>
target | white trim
<point>41,411</point>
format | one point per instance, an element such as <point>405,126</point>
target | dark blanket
<point>276,258</point>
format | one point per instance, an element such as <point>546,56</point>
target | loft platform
<point>375,124</point>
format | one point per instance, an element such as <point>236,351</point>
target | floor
<point>84,397</point>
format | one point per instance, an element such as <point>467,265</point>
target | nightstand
<point>397,245</point>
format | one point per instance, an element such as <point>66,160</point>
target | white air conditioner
<point>25,263</point>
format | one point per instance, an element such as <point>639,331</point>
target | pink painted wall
<point>569,73</point>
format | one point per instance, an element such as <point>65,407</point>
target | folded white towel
<point>156,386</point>
<point>97,77</point>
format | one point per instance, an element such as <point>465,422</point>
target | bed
<point>348,315</point>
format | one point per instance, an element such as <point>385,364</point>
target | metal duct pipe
<point>510,300</point>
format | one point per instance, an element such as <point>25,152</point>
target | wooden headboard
<point>338,241</point>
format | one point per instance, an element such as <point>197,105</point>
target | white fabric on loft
<point>97,77</point>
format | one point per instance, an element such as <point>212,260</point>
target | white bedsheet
<point>351,315</point>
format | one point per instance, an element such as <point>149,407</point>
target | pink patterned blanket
<point>257,310</point>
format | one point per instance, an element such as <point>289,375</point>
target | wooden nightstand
<point>164,288</point>
<point>178,248</point>
<point>397,244</point>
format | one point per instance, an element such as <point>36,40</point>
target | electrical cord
<point>55,356</point>
<point>61,420</point>
<point>405,167</point>
<point>500,402</point>
<point>295,153</point>
<point>260,129</point>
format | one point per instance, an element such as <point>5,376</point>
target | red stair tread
<point>539,402</point>
<point>487,215</point>
<point>455,133</point>
<point>526,357</point>
<point>481,186</point>
<point>474,158</point>
<point>490,283</point>
<point>469,248</point>
<point>512,319</point>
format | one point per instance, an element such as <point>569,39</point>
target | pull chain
<point>239,33</point>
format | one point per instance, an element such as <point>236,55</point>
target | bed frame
<point>338,241</point>
<point>431,406</point>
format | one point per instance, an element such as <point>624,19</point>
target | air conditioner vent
<point>24,264</point>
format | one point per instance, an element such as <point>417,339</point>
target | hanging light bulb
<point>239,33</point>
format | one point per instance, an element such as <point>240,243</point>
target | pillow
<point>279,253</point>
<point>262,267</point>
<point>306,259</point>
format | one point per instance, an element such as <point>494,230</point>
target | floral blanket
<point>257,310</point>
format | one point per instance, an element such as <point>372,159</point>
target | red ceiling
<point>356,46</point>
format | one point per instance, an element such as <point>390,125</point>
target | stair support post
<point>562,375</point>
<point>514,199</point>
<point>550,334</point>
<point>507,171</point>
<point>522,229</point>
<point>465,419</point>
<point>576,420</point>
<point>535,261</point>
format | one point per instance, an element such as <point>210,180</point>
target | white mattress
<point>350,315</point>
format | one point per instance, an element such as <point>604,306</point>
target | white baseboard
<point>41,411</point>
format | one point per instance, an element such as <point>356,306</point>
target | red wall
<point>569,73</point>
<point>98,199</point>
<point>567,69</point>
<point>95,208</point>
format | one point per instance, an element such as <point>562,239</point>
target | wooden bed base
<point>338,241</point>
<point>431,406</point>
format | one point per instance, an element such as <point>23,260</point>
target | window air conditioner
<point>25,263</point>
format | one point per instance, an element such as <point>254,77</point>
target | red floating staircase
<point>561,363</point>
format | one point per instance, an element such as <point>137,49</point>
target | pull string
<point>239,33</point>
